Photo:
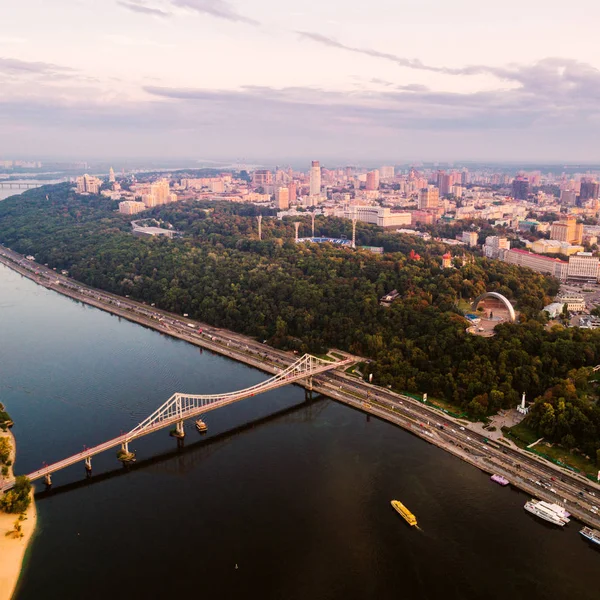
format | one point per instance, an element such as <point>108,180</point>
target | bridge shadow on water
<point>191,454</point>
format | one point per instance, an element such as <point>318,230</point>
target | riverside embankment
<point>524,470</point>
<point>13,545</point>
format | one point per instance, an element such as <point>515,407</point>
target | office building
<point>583,266</point>
<point>520,188</point>
<point>429,197</point>
<point>568,197</point>
<point>377,215</point>
<point>589,189</point>
<point>541,264</point>
<point>315,178</point>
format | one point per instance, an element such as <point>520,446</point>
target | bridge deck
<point>186,406</point>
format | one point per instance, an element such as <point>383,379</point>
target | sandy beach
<point>12,550</point>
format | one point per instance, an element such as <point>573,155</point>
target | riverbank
<point>14,547</point>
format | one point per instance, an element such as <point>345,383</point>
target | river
<point>8,192</point>
<point>298,502</point>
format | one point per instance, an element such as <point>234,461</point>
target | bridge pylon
<point>48,480</point>
<point>88,466</point>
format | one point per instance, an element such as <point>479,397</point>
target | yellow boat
<point>404,513</point>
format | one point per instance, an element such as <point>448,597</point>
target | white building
<point>554,309</point>
<point>377,215</point>
<point>493,245</point>
<point>583,266</point>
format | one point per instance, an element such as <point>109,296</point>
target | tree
<point>17,499</point>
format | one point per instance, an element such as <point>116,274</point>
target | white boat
<point>558,509</point>
<point>541,510</point>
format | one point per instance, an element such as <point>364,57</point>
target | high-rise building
<point>568,197</point>
<point>160,190</point>
<point>589,189</point>
<point>282,198</point>
<point>444,182</point>
<point>111,175</point>
<point>315,178</point>
<point>520,188</point>
<point>262,178</point>
<point>429,197</point>
<point>567,230</point>
<point>386,173</point>
<point>293,191</point>
<point>372,180</point>
<point>88,184</point>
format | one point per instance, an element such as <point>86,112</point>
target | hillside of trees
<point>312,297</point>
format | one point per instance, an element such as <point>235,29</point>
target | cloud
<point>401,61</point>
<point>14,66</point>
<point>215,8</point>
<point>553,109</point>
<point>143,9</point>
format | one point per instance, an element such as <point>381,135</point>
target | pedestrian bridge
<point>180,407</point>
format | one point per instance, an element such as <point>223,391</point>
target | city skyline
<point>229,80</point>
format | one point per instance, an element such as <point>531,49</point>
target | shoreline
<point>14,550</point>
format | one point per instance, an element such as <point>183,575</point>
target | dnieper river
<point>281,500</point>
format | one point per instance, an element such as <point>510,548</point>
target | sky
<point>280,80</point>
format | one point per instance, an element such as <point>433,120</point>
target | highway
<point>542,479</point>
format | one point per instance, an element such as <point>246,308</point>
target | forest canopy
<point>310,297</point>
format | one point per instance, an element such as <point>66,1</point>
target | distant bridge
<point>24,185</point>
<point>180,407</point>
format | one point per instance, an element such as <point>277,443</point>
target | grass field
<point>523,436</point>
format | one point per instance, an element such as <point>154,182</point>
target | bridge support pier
<point>308,390</point>
<point>124,455</point>
<point>179,431</point>
<point>88,466</point>
<point>48,480</point>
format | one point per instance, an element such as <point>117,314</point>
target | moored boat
<point>201,426</point>
<point>592,535</point>
<point>404,512</point>
<point>499,479</point>
<point>558,509</point>
<point>541,510</point>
